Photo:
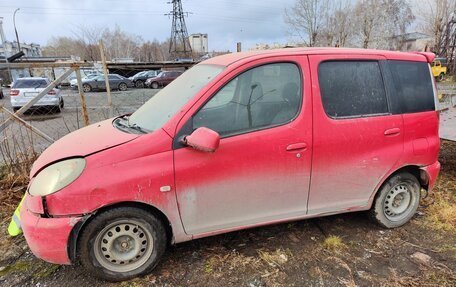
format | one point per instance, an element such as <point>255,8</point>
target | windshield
<point>166,103</point>
<point>32,83</point>
<point>139,74</point>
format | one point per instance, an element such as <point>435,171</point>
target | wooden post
<point>85,115</point>
<point>105,71</point>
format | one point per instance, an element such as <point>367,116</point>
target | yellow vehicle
<point>438,71</point>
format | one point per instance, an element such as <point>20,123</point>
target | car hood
<point>81,143</point>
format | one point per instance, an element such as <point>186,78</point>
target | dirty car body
<point>238,141</point>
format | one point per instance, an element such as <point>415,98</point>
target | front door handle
<point>296,146</point>
<point>392,132</point>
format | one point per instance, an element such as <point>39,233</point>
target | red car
<point>239,141</point>
<point>162,79</point>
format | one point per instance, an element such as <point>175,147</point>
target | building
<point>199,43</point>
<point>414,41</point>
<point>10,48</point>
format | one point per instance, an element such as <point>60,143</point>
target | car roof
<point>229,59</point>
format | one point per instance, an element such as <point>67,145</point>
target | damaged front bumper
<point>48,238</point>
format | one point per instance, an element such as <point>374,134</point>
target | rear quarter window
<point>352,88</point>
<point>412,89</point>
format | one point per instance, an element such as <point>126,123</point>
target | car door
<point>261,171</point>
<point>357,140</point>
<point>100,82</point>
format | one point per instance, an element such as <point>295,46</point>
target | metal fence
<point>26,132</point>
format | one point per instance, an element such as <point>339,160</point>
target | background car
<point>25,89</point>
<point>163,79</point>
<point>140,78</point>
<point>74,82</point>
<point>116,82</point>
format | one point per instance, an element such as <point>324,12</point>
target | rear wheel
<point>397,201</point>
<point>122,243</point>
<point>139,84</point>
<point>154,85</point>
<point>86,88</point>
<point>123,87</point>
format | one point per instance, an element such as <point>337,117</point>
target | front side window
<point>352,88</point>
<point>262,97</point>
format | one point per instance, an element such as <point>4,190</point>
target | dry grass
<point>441,214</point>
<point>275,258</point>
<point>334,243</point>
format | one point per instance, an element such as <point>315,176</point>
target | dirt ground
<point>343,250</point>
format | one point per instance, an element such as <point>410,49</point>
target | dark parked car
<point>163,79</point>
<point>140,78</point>
<point>116,82</point>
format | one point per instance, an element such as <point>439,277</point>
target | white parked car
<point>25,89</point>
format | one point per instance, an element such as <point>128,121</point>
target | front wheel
<point>139,84</point>
<point>86,88</point>
<point>122,87</point>
<point>397,201</point>
<point>154,85</point>
<point>122,243</point>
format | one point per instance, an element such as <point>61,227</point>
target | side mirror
<point>203,139</point>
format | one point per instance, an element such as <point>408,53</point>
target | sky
<point>225,21</point>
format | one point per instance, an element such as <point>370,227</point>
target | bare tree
<point>378,21</point>
<point>306,19</point>
<point>89,37</point>
<point>435,16</point>
<point>338,26</point>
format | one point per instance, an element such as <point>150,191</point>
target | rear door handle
<point>296,146</point>
<point>392,132</point>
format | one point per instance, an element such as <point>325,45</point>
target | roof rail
<point>429,55</point>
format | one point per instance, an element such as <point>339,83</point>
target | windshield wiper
<point>138,128</point>
<point>123,123</point>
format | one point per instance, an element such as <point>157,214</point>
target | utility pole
<point>179,45</point>
<point>15,30</point>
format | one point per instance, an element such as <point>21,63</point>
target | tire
<point>139,84</point>
<point>154,85</point>
<point>397,201</point>
<point>15,109</point>
<point>62,104</point>
<point>101,250</point>
<point>122,87</point>
<point>86,88</point>
<point>440,77</point>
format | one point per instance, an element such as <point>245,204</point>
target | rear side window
<point>352,88</point>
<point>412,87</point>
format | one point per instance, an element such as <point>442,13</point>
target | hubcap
<point>123,246</point>
<point>398,202</point>
<point>86,88</point>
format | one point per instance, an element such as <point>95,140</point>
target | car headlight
<point>56,176</point>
